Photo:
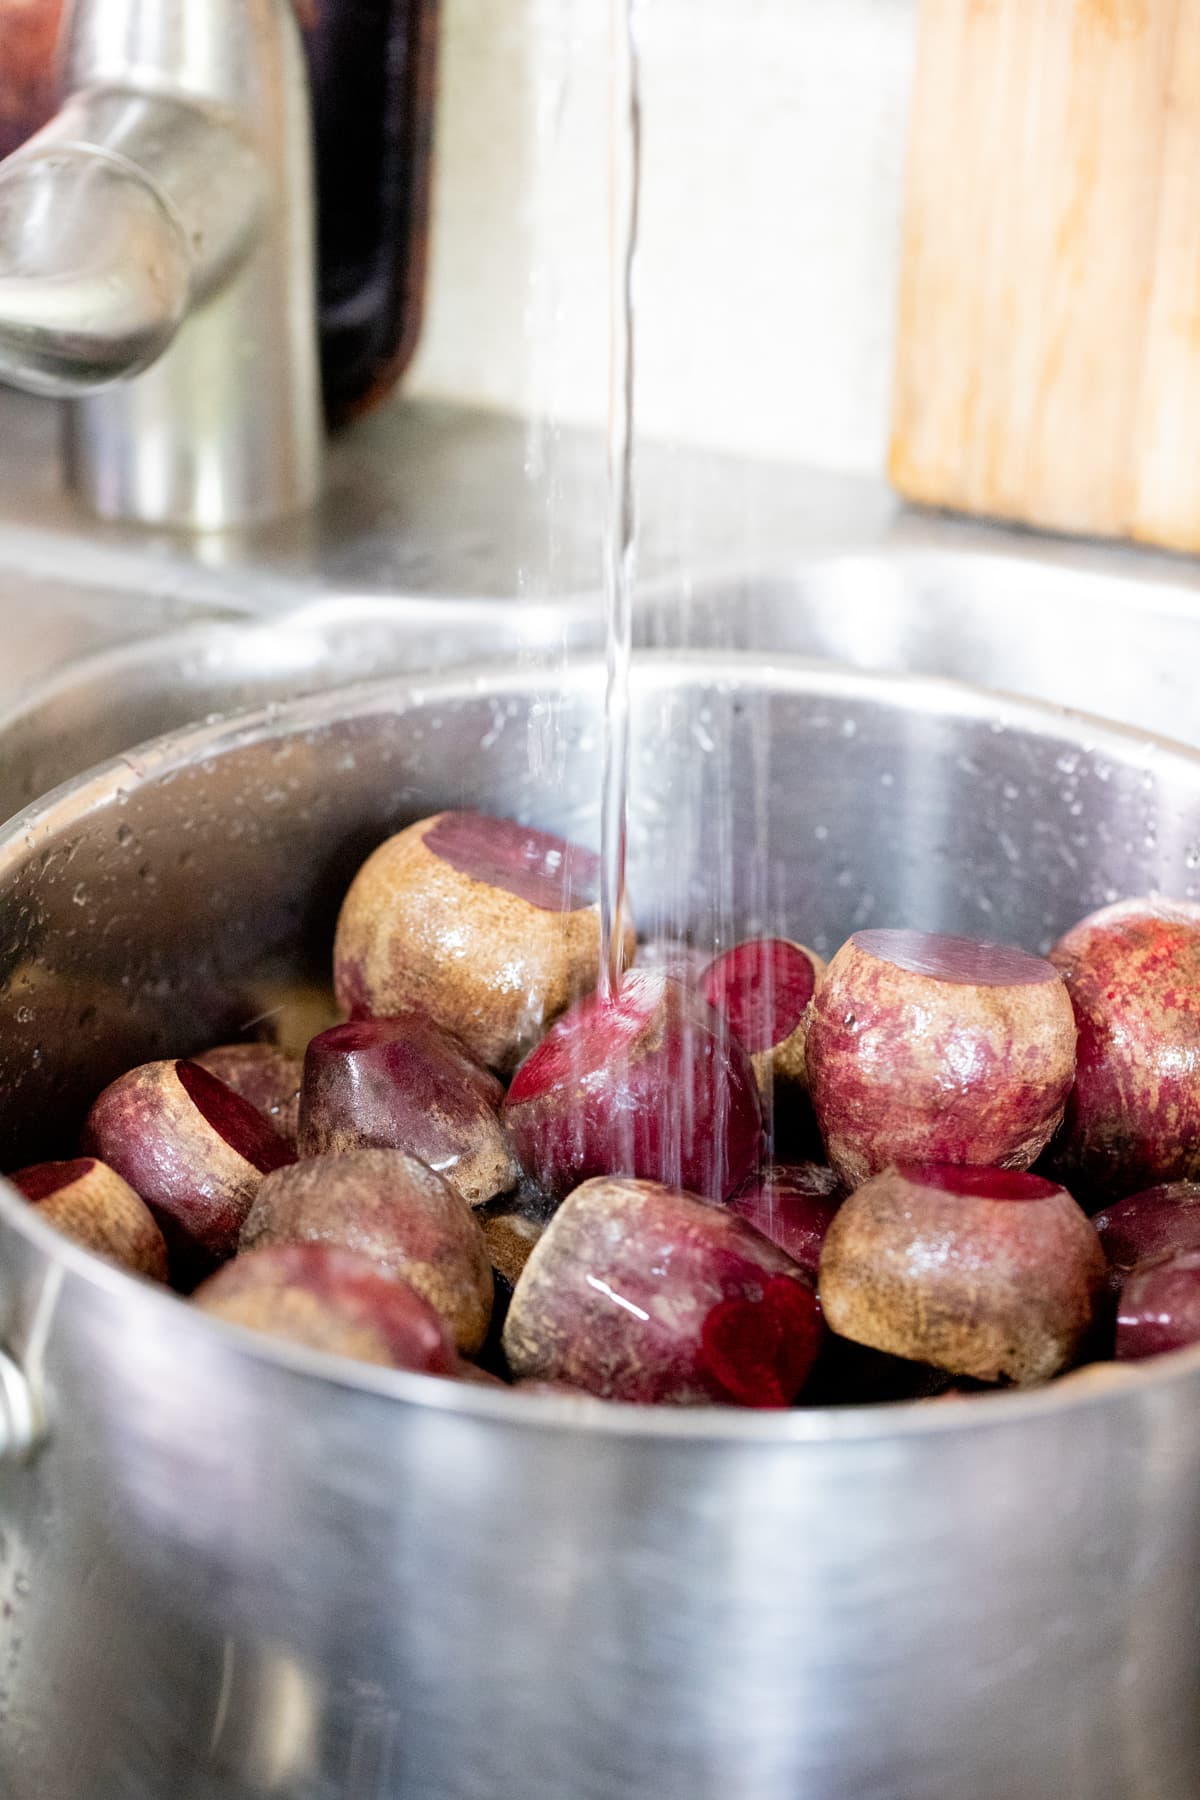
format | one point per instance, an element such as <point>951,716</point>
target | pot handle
<point>20,1416</point>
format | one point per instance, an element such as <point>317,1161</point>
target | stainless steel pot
<point>234,1570</point>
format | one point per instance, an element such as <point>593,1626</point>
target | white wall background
<point>772,189</point>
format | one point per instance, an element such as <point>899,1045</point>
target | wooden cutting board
<point>1048,360</point>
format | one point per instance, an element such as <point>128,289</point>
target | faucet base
<point>223,432</point>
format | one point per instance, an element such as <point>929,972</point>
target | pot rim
<point>74,800</point>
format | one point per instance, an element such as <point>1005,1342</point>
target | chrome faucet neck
<point>157,263</point>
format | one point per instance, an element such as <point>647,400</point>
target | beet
<point>1133,1118</point>
<point>793,1204</point>
<point>1146,1225</point>
<point>929,1048</point>
<point>511,1228</point>
<point>404,1084</point>
<point>91,1204</point>
<point>640,1292</point>
<point>265,1076</point>
<point>393,1209</point>
<point>194,1150</point>
<point>1159,1307</point>
<point>333,1300</point>
<point>490,927</point>
<point>644,1084</point>
<point>989,1273</point>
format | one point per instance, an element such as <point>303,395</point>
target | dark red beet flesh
<point>41,1180</point>
<point>793,1205</point>
<point>643,1085</point>
<point>543,870</point>
<point>241,1125</point>
<point>1159,1307</point>
<point>980,1183</point>
<point>962,960</point>
<point>1146,1225</point>
<point>263,1074</point>
<point>760,1351</point>
<point>761,989</point>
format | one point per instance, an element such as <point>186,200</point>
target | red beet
<point>646,1085</point>
<point>1159,1308</point>
<point>489,926</point>
<point>510,1230</point>
<point>90,1203</point>
<point>395,1210</point>
<point>1148,1224</point>
<point>991,1273</point>
<point>404,1084</point>
<point>923,1047</point>
<point>639,1292</point>
<point>792,1204</point>
<point>194,1150</point>
<point>330,1299</point>
<point>1133,1118</point>
<point>762,989</point>
<point>264,1075</point>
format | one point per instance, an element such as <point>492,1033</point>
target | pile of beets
<point>933,1166</point>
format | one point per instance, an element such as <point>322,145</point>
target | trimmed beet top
<point>40,1180</point>
<point>537,867</point>
<point>762,988</point>
<point>980,1184</point>
<point>969,962</point>
<point>235,1120</point>
<point>91,1204</point>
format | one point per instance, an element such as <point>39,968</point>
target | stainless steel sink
<point>449,536</point>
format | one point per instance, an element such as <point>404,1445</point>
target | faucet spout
<point>95,273</point>
<point>156,264</point>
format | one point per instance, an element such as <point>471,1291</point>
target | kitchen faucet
<point>157,263</point>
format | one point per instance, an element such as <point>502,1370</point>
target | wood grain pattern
<point>1048,361</point>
